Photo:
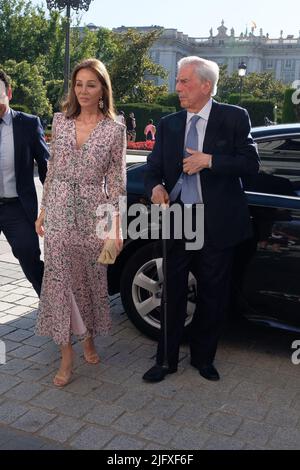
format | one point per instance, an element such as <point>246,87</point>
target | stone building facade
<point>279,56</point>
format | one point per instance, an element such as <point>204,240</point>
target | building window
<point>288,77</point>
<point>269,64</point>
<point>288,64</point>
<point>155,56</point>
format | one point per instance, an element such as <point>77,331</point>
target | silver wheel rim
<point>147,292</point>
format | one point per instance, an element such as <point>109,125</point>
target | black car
<point>266,274</point>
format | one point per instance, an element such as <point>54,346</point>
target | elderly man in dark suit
<point>21,142</point>
<point>199,157</point>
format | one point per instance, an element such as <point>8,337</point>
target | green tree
<point>82,45</point>
<point>31,36</point>
<point>24,31</point>
<point>55,91</point>
<point>131,64</point>
<point>28,87</point>
<point>107,46</point>
<point>258,85</point>
<point>169,99</point>
<point>34,37</point>
<point>53,58</point>
<point>291,106</point>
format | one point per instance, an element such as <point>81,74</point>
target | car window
<point>280,167</point>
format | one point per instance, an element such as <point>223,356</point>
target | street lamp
<point>135,91</point>
<point>242,72</point>
<point>61,5</point>
<point>275,113</point>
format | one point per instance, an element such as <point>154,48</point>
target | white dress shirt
<point>7,157</point>
<point>201,124</point>
<point>201,129</point>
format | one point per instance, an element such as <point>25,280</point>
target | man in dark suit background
<point>221,152</point>
<point>21,142</point>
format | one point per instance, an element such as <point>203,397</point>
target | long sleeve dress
<point>74,296</point>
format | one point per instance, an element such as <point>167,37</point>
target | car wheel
<point>141,290</point>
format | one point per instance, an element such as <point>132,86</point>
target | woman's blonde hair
<point>71,107</point>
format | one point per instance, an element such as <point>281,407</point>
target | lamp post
<point>275,113</point>
<point>135,91</point>
<point>242,72</point>
<point>61,5</point>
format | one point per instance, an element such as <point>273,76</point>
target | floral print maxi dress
<point>78,181</point>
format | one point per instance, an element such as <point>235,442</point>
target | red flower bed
<point>147,145</point>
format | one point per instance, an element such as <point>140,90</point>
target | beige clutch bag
<point>109,253</point>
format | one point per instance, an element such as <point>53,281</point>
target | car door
<point>267,268</point>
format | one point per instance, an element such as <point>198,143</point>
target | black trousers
<point>20,234</point>
<point>212,268</point>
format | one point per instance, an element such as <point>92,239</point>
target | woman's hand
<point>116,233</point>
<point>119,244</point>
<point>39,223</point>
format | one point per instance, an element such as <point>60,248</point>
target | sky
<point>195,19</point>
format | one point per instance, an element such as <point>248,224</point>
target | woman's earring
<point>101,103</point>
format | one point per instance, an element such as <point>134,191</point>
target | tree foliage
<point>131,63</point>
<point>106,45</point>
<point>291,106</point>
<point>55,93</point>
<point>24,31</point>
<point>258,85</point>
<point>28,87</point>
<point>169,99</point>
<point>35,39</point>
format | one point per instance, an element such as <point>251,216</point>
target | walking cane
<point>164,305</point>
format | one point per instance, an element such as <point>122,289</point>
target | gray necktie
<point>189,185</point>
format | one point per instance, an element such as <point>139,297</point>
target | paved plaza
<point>255,405</point>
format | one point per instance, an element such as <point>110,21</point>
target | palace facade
<point>279,56</point>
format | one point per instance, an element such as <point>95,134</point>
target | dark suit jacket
<point>228,139</point>
<point>29,145</point>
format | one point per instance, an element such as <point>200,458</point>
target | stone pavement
<point>255,405</point>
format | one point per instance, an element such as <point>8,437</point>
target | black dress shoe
<point>157,373</point>
<point>208,371</point>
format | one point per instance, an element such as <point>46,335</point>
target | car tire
<point>141,290</point>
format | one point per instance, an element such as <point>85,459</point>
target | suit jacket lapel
<point>180,134</point>
<point>213,124</point>
<point>17,132</point>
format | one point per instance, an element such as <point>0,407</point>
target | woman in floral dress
<point>87,168</point>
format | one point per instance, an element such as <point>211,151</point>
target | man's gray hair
<point>206,70</point>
